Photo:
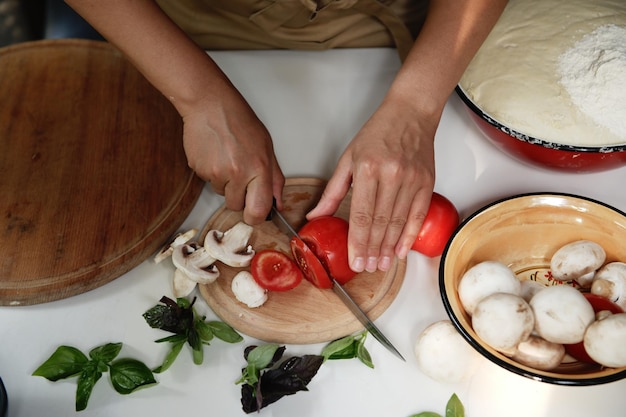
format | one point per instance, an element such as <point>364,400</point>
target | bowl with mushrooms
<point>536,283</point>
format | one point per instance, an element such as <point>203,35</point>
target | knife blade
<point>284,226</point>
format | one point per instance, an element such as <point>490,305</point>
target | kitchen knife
<point>284,226</point>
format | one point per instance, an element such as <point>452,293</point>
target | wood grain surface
<point>93,176</point>
<point>305,314</point>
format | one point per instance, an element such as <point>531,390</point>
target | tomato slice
<point>275,271</point>
<point>309,264</point>
<point>599,303</point>
<point>327,237</point>
<point>440,222</point>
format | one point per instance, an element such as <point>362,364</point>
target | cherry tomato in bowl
<point>599,303</point>
<point>275,271</point>
<point>440,222</point>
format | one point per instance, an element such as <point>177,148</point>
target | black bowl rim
<point>476,345</point>
<point>530,139</point>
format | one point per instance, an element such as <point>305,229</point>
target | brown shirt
<point>298,24</point>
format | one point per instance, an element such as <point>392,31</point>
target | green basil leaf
<point>455,408</point>
<point>184,303</point>
<point>261,356</point>
<point>66,361</point>
<point>204,330</point>
<point>129,374</point>
<point>339,349</point>
<point>175,338</point>
<point>198,355</point>
<point>224,332</point>
<point>426,414</point>
<point>86,381</point>
<point>170,357</point>
<point>363,354</point>
<point>105,353</point>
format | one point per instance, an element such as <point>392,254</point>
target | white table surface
<point>312,103</point>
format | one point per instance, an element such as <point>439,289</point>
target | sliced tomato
<point>327,237</point>
<point>442,219</point>
<point>309,264</point>
<point>599,303</point>
<point>275,271</point>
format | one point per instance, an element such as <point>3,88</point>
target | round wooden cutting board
<point>93,176</point>
<point>305,314</point>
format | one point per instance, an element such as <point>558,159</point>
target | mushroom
<point>577,261</point>
<point>562,314</point>
<point>193,260</point>
<point>605,340</point>
<point>442,354</point>
<point>231,247</point>
<point>538,353</point>
<point>483,279</point>
<point>182,284</point>
<point>529,288</point>
<point>610,282</point>
<point>179,239</point>
<point>503,321</point>
<point>247,290</point>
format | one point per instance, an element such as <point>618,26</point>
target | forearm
<point>451,35</point>
<point>169,59</point>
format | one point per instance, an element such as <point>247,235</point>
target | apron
<point>298,24</point>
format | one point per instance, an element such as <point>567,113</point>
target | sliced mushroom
<point>179,239</point>
<point>231,247</point>
<point>182,284</point>
<point>247,291</point>
<point>194,261</point>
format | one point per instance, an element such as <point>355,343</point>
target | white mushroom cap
<point>484,279</point>
<point>503,321</point>
<point>605,341</point>
<point>231,247</point>
<point>577,259</point>
<point>247,290</point>
<point>443,355</point>
<point>195,263</point>
<point>562,314</point>
<point>538,353</point>
<point>179,239</point>
<point>610,282</point>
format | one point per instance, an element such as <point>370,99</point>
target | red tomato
<point>327,236</point>
<point>599,303</point>
<point>440,222</point>
<point>275,271</point>
<point>310,266</point>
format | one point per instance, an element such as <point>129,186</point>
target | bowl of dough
<point>536,283</point>
<point>548,86</point>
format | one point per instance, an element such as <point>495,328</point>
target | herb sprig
<point>454,408</point>
<point>349,347</point>
<point>179,317</point>
<point>126,374</point>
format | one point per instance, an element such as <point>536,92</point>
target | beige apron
<point>298,24</point>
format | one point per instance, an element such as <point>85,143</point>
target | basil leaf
<point>129,374</point>
<point>86,381</point>
<point>204,330</point>
<point>426,414</point>
<point>224,332</point>
<point>363,354</point>
<point>170,357</point>
<point>339,349</point>
<point>175,338</point>
<point>198,355</point>
<point>262,356</point>
<point>455,408</point>
<point>105,353</point>
<point>66,361</point>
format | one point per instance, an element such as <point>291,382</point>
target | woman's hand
<point>228,146</point>
<point>390,166</point>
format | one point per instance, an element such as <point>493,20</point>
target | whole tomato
<point>327,237</point>
<point>440,222</point>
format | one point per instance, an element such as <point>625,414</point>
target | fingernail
<point>372,264</point>
<point>358,264</point>
<point>384,263</point>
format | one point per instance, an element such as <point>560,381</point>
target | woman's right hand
<point>227,145</point>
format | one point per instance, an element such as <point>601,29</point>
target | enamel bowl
<point>523,232</point>
<point>543,153</point>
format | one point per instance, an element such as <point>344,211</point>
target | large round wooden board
<point>93,176</point>
<point>305,314</point>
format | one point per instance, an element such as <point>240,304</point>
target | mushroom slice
<point>247,291</point>
<point>182,284</point>
<point>231,247</point>
<point>193,260</point>
<point>179,239</point>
